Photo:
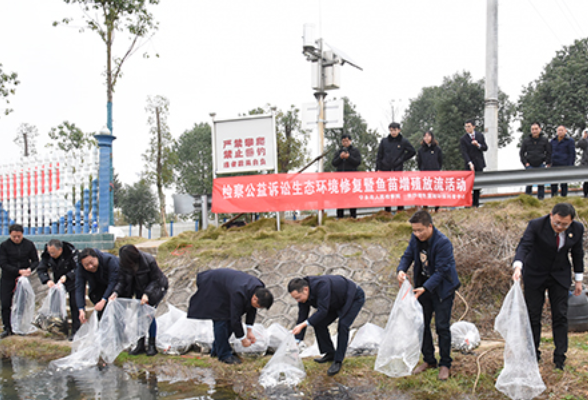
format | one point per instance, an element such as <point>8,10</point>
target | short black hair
<point>421,217</point>
<point>15,228</point>
<point>470,121</point>
<point>536,123</point>
<point>88,251</point>
<point>129,256</point>
<point>58,244</point>
<point>265,298</point>
<point>563,210</point>
<point>297,284</point>
<point>345,136</point>
<point>394,125</point>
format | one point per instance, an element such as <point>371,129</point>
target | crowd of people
<point>536,151</point>
<point>542,261</point>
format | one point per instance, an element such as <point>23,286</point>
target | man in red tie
<point>542,258</point>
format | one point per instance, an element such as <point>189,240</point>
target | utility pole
<point>325,76</point>
<point>491,90</point>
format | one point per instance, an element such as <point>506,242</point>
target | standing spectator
<point>535,153</point>
<point>429,156</point>
<point>18,257</point>
<point>347,158</point>
<point>563,153</point>
<point>139,275</point>
<point>435,282</point>
<point>543,259</point>
<point>473,145</point>
<point>583,144</point>
<point>61,258</point>
<point>393,152</point>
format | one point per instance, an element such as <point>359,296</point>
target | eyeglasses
<point>561,225</point>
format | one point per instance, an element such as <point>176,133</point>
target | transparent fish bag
<point>285,367</point>
<point>465,337</point>
<point>401,346</point>
<point>520,378</point>
<point>52,316</point>
<point>23,307</point>
<point>123,322</point>
<point>366,341</point>
<point>276,333</point>
<point>85,348</point>
<point>257,349</point>
<point>165,321</point>
<point>185,333</point>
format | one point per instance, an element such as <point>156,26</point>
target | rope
<point>480,368</point>
<point>182,252</point>
<point>466,305</point>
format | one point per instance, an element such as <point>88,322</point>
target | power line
<point>546,23</point>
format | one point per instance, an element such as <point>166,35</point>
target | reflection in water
<point>26,379</point>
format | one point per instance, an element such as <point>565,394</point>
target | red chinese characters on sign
<point>317,191</point>
<point>244,152</point>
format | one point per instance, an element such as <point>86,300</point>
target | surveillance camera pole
<point>320,97</point>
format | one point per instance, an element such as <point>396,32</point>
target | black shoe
<point>6,333</point>
<point>559,365</point>
<point>334,368</point>
<point>326,358</point>
<point>232,360</point>
<point>70,338</point>
<point>139,348</point>
<point>151,349</point>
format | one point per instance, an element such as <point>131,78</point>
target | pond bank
<point>357,380</point>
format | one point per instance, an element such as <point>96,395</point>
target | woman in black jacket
<point>140,275</point>
<point>429,156</point>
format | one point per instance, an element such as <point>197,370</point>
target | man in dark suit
<point>223,296</point>
<point>100,271</point>
<point>18,257</point>
<point>543,257</point>
<point>347,158</point>
<point>472,146</point>
<point>435,280</point>
<point>334,297</point>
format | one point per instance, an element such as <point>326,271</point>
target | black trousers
<point>558,298</point>
<point>321,330</point>
<point>442,310</point>
<point>555,189</point>
<point>341,212</point>
<point>75,315</point>
<point>7,287</point>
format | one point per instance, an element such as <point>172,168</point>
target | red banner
<point>318,191</point>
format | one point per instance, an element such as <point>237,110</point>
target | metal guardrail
<point>534,176</point>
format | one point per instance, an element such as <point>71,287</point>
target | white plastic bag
<point>366,341</point>
<point>403,337</point>
<point>124,321</point>
<point>520,378</point>
<point>257,349</point>
<point>465,337</point>
<point>52,316</point>
<point>313,350</point>
<point>276,333</point>
<point>85,348</point>
<point>165,321</point>
<point>183,334</point>
<point>285,367</point>
<point>23,307</point>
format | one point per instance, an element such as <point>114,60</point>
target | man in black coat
<point>347,158</point>
<point>535,153</point>
<point>393,152</point>
<point>543,256</point>
<point>334,297</point>
<point>61,258</point>
<point>472,146</point>
<point>223,296</point>
<point>18,257</point>
<point>100,271</point>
